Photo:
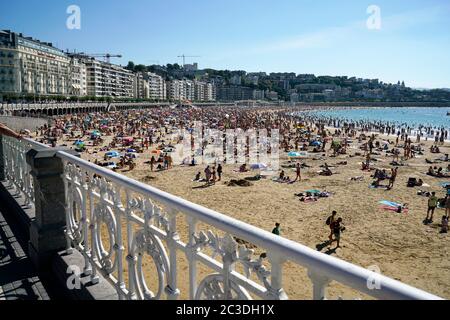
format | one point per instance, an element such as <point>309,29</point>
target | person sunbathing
<point>243,168</point>
<point>431,171</point>
<point>365,166</point>
<point>282,175</point>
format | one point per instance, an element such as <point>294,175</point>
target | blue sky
<point>327,37</point>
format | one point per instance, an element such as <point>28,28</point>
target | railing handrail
<point>35,143</point>
<point>339,270</point>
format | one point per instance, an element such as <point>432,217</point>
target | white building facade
<point>108,80</point>
<point>157,87</point>
<point>32,67</point>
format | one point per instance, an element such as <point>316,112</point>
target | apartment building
<point>258,94</point>
<point>204,91</point>
<point>157,87</point>
<point>234,93</point>
<point>78,77</point>
<point>199,91</point>
<point>32,67</point>
<point>141,88</point>
<point>175,90</point>
<point>108,80</point>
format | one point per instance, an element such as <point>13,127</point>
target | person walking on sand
<point>392,178</point>
<point>208,174</point>
<point>444,224</point>
<point>329,222</point>
<point>337,229</point>
<point>276,230</point>
<point>213,174</point>
<point>432,204</point>
<point>152,163</point>
<point>298,172</point>
<point>447,206</point>
<point>219,172</point>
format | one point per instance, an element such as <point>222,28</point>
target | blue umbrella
<point>316,143</point>
<point>113,154</point>
<point>258,166</point>
<point>294,154</point>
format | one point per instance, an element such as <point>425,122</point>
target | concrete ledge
<point>103,290</point>
<point>14,207</point>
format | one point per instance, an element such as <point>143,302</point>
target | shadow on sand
<point>325,244</point>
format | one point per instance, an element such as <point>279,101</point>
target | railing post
<point>2,160</point>
<point>191,256</point>
<point>276,277</point>
<point>320,283</point>
<point>172,290</point>
<point>47,235</point>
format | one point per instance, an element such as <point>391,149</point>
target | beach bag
<point>411,182</point>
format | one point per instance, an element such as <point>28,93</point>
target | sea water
<point>404,117</point>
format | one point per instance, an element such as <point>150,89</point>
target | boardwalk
<point>18,278</point>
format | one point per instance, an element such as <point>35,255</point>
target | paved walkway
<point>18,277</point>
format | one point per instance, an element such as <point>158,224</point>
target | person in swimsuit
<point>432,204</point>
<point>330,220</point>
<point>298,173</point>
<point>337,229</point>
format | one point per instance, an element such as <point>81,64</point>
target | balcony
<point>109,225</point>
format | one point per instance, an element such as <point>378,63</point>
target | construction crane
<point>106,56</point>
<point>184,58</point>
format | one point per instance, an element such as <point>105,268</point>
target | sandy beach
<point>399,244</point>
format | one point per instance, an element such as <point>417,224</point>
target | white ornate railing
<point>143,221</point>
<point>17,171</point>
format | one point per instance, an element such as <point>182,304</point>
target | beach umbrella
<point>79,144</point>
<point>293,154</point>
<point>132,155</point>
<point>131,150</point>
<point>113,154</point>
<point>258,166</point>
<point>313,191</point>
<point>316,143</point>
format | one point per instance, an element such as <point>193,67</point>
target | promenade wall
<point>19,123</point>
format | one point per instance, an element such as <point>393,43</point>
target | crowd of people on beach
<point>118,138</point>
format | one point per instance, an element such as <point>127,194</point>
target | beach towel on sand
<point>391,203</point>
<point>379,187</point>
<point>393,206</point>
<point>282,181</point>
<point>404,210</point>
